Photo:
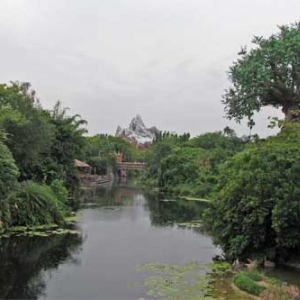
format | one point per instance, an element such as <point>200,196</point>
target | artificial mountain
<point>137,133</point>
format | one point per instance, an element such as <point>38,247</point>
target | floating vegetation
<point>193,281</point>
<point>110,208</point>
<point>171,282</point>
<point>220,267</point>
<point>194,199</point>
<point>40,231</point>
<point>73,219</point>
<point>191,224</point>
<point>168,200</point>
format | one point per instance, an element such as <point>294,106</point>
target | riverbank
<point>248,284</point>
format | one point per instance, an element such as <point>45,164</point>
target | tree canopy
<point>37,149</point>
<point>257,210</point>
<point>266,75</point>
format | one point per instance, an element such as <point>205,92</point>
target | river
<point>120,229</point>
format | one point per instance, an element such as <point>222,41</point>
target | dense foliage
<point>268,74</point>
<point>190,166</point>
<point>8,171</point>
<point>255,188</point>
<point>8,181</point>
<point>29,133</point>
<point>257,211</point>
<point>35,145</point>
<point>244,282</point>
<point>35,204</point>
<point>101,151</point>
<point>253,183</point>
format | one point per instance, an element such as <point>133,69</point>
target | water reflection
<point>23,260</point>
<point>122,228</point>
<point>164,211</point>
<point>110,195</point>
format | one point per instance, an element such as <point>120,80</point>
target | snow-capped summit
<point>137,123</point>
<point>137,132</point>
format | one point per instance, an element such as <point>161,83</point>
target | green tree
<point>8,181</point>
<point>29,133</point>
<point>257,211</point>
<point>99,165</point>
<point>190,166</point>
<point>267,75</point>
<point>68,144</point>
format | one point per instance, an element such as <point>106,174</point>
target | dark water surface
<point>121,228</point>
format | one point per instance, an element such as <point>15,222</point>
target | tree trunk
<point>291,112</point>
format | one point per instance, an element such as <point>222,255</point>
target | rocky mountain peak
<point>137,132</point>
<point>137,123</point>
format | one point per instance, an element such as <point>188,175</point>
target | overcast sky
<point>108,60</point>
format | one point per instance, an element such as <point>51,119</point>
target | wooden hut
<point>82,167</point>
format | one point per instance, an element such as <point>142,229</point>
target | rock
<point>252,265</point>
<point>237,266</point>
<point>269,264</point>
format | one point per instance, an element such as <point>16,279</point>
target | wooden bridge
<point>131,165</point>
<point>125,165</point>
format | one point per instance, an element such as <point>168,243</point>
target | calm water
<point>121,228</point>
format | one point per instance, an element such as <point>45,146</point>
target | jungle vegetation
<point>37,152</point>
<point>38,148</point>
<point>252,183</point>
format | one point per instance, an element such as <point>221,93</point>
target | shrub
<point>99,164</point>
<point>220,267</point>
<point>257,211</point>
<point>8,181</point>
<point>61,193</point>
<point>34,204</point>
<point>245,283</point>
<point>255,276</point>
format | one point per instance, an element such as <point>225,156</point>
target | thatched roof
<point>80,164</point>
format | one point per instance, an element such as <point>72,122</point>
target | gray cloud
<point>108,60</point>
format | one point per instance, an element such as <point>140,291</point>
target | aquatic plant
<point>176,283</point>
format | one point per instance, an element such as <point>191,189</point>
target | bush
<point>245,283</point>
<point>61,194</point>
<point>34,204</point>
<point>8,181</point>
<point>255,276</point>
<point>99,164</point>
<point>257,211</point>
<point>220,267</point>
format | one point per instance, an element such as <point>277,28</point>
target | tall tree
<point>267,75</point>
<point>8,180</point>
<point>29,133</point>
<point>68,142</point>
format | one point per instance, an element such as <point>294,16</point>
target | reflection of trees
<point>110,195</point>
<point>168,213</point>
<point>22,260</point>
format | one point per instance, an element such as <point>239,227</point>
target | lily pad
<point>72,219</point>
<point>191,224</point>
<point>173,282</point>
